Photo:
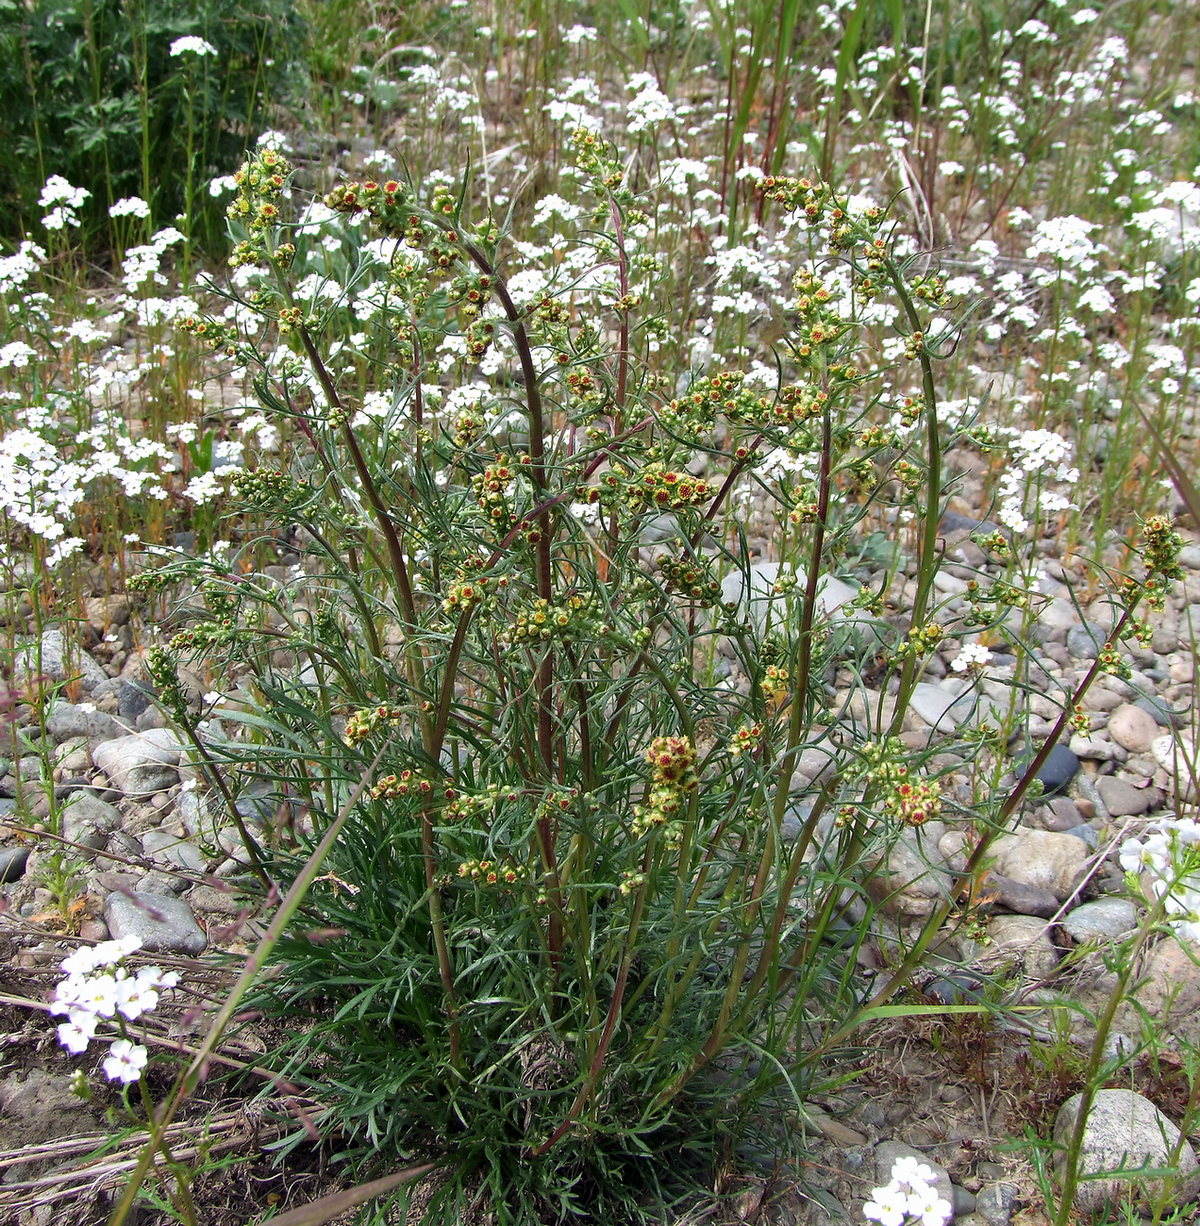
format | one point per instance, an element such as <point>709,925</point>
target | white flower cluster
<point>1039,457</point>
<point>141,264</point>
<point>40,488</point>
<point>649,106</point>
<point>129,206</point>
<point>16,354</point>
<point>99,987</point>
<point>569,104</point>
<point>972,657</point>
<point>909,1198</point>
<point>68,200</point>
<point>678,174</point>
<point>18,268</point>
<point>449,96</point>
<point>45,473</point>
<point>1067,241</point>
<point>191,44</point>
<point>1167,855</point>
<point>552,206</point>
<point>751,281</point>
<point>1173,220</point>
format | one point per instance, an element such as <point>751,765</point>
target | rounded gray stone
<point>1097,749</point>
<point>911,881</point>
<point>994,1203</point>
<point>163,924</point>
<point>963,1202</point>
<point>1020,898</point>
<point>942,707</point>
<point>134,699</point>
<point>1018,940</point>
<point>50,657</point>
<point>12,863</point>
<point>1084,642</point>
<point>170,851</point>
<point>1122,799</point>
<point>1059,768</point>
<point>1055,619</point>
<point>1169,984</point>
<point>1046,859</point>
<point>754,592</point>
<point>1060,815</point>
<point>1105,919</point>
<point>141,764</point>
<point>68,719</point>
<point>87,821</point>
<point>1125,1131</point>
<point>1164,715</point>
<point>1085,833</point>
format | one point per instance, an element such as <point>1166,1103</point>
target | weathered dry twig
<point>107,1170</point>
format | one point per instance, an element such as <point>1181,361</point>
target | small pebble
<point>1133,728</point>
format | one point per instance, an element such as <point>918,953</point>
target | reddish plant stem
<point>547,827</point>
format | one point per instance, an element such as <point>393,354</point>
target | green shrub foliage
<point>90,91</point>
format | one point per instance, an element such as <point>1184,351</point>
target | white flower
<point>1036,31</point>
<point>1065,239</point>
<point>125,1061</point>
<point>66,548</point>
<point>98,995</point>
<point>272,139</point>
<point>928,1207</point>
<point>555,206</point>
<point>83,331</point>
<point>910,1198</point>
<point>135,996</point>
<point>1136,855</point>
<point>156,977</point>
<point>203,488</point>
<point>77,1033</point>
<point>81,962</point>
<point>60,219</point>
<point>911,1172</point>
<point>109,953</point>
<point>887,1206</point>
<point>67,995</point>
<point>190,43</point>
<point>17,268</point>
<point>1165,857</point>
<point>677,172</point>
<point>1098,300</point>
